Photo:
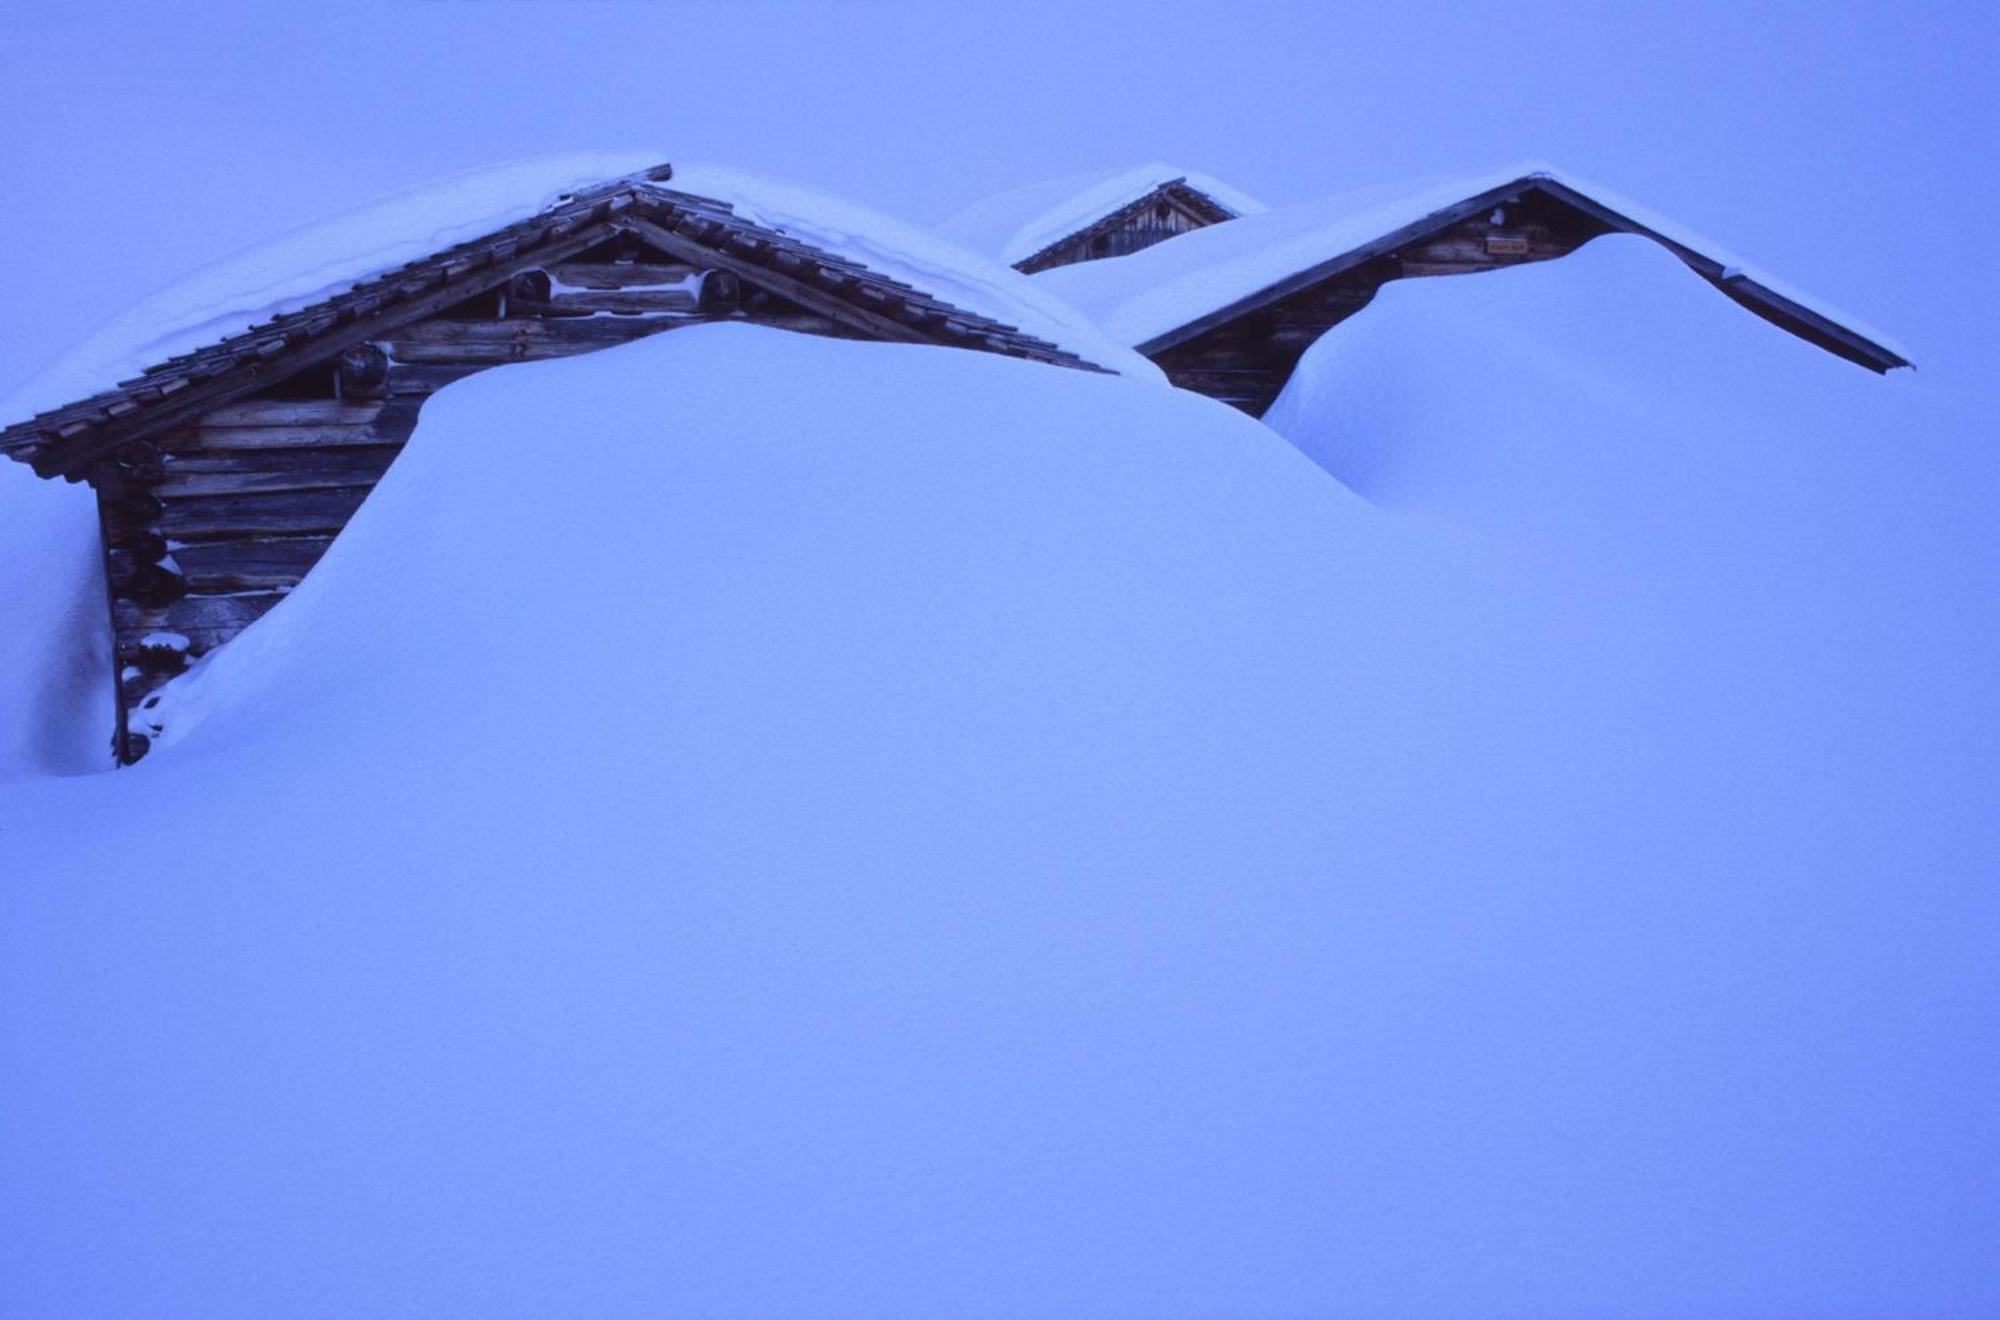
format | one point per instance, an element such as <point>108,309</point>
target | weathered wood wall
<point>1154,219</point>
<point>1245,362</point>
<point>209,525</point>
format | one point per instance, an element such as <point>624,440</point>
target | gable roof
<point>1015,226</point>
<point>246,323</point>
<point>1177,290</point>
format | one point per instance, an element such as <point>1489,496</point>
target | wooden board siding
<point>1169,210</point>
<point>208,525</point>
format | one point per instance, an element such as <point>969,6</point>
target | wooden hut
<point>1087,217</point>
<point>224,472</point>
<point>1228,313</point>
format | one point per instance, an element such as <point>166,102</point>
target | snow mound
<point>1139,297</point>
<point>319,261</point>
<point>751,824</point>
<point>1021,222</point>
<point>55,643</point>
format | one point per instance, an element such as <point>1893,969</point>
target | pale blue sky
<point>1843,146</point>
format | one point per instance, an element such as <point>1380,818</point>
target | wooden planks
<point>622,274</point>
<point>491,343</point>
<point>227,567</point>
<point>622,302</point>
<point>320,424</point>
<point>240,471</point>
<point>260,513</point>
<point>293,412</point>
<point>205,621</point>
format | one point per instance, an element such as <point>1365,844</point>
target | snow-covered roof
<point>1177,289</point>
<point>309,267</point>
<point>1015,225</point>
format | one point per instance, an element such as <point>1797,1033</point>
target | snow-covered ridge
<point>915,256</point>
<point>1022,221</point>
<point>1139,297</point>
<point>320,261</point>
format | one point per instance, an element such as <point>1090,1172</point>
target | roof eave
<point>1807,324</point>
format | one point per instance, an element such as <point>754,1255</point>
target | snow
<point>1139,297</point>
<point>55,643</point>
<point>746,824</point>
<point>319,261</point>
<point>1019,223</point>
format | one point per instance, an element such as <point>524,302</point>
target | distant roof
<point>1178,289</point>
<point>1015,225</point>
<point>266,312</point>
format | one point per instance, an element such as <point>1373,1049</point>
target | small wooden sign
<point>1506,245</point>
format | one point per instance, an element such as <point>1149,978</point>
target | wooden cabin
<point>1171,208</point>
<point>222,475</point>
<point>1240,345</point>
<point>1086,218</point>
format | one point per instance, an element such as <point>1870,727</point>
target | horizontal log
<point>240,471</point>
<point>206,621</point>
<point>625,302</point>
<point>621,274</point>
<point>274,513</point>
<point>210,439</point>
<point>474,343</point>
<point>292,412</point>
<point>220,567</point>
<point>591,332</point>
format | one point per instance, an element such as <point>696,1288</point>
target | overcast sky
<point>1846,147</point>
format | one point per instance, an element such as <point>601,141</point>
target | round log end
<point>364,371</point>
<point>720,292</point>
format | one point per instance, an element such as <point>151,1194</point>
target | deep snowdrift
<point>745,824</point>
<point>55,642</point>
